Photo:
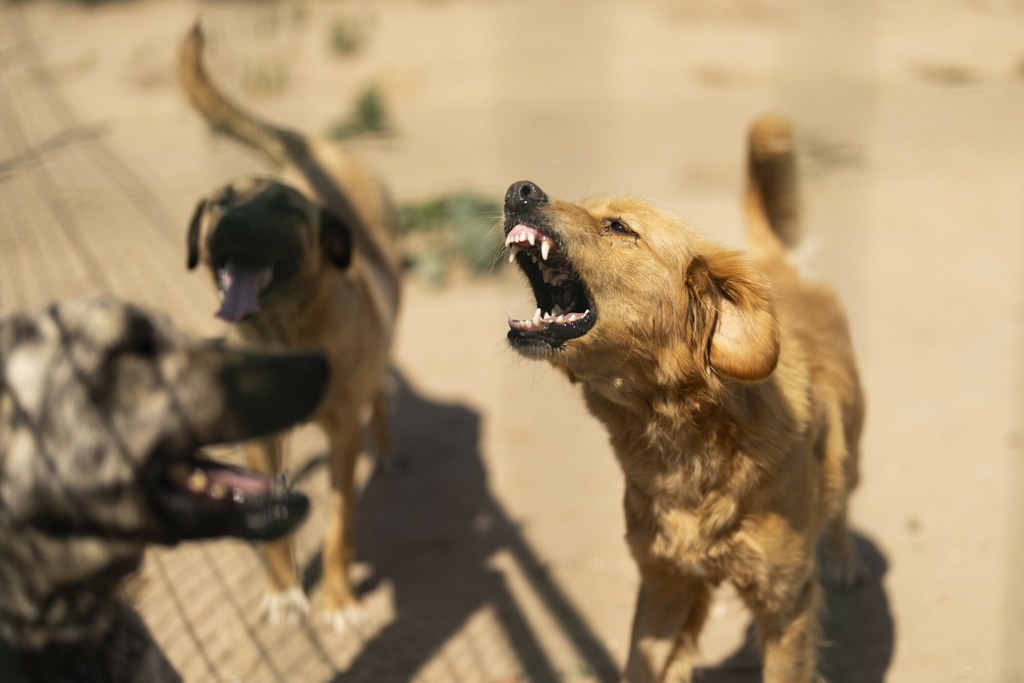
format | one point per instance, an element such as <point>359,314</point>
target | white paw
<point>346,620</point>
<point>284,607</point>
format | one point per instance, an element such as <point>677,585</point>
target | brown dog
<point>729,389</point>
<point>307,261</point>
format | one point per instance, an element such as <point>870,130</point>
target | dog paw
<point>284,607</point>
<point>346,619</point>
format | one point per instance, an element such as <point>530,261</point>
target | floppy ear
<point>193,234</point>
<point>335,239</point>
<point>732,317</point>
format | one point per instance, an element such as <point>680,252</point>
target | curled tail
<point>223,115</point>
<point>772,199</point>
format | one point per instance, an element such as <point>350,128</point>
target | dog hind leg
<point>839,563</point>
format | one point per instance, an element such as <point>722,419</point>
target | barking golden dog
<point>305,261</point>
<point>729,390</point>
<point>102,409</point>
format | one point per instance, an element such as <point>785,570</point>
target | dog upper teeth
<point>524,233</point>
<point>238,495</point>
<point>218,491</point>
<point>197,481</point>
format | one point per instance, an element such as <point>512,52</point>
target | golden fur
<point>729,389</point>
<point>327,221</point>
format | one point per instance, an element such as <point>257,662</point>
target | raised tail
<point>223,115</point>
<point>772,198</point>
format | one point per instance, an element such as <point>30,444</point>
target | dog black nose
<point>524,192</point>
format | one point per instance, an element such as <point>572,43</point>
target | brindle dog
<point>307,260</point>
<point>103,407</point>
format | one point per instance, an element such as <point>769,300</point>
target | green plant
<point>347,36</point>
<point>368,116</point>
<point>453,229</point>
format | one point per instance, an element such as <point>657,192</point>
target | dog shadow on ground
<point>431,530</point>
<point>858,631</point>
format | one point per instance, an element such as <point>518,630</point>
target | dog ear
<point>732,317</point>
<point>193,234</point>
<point>335,239</point>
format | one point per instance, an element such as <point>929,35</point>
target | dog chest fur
<point>692,476</point>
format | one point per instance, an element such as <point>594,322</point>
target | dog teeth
<point>531,238</point>
<point>238,495</point>
<point>540,319</point>
<point>218,491</point>
<point>512,255</point>
<point>545,249</point>
<point>197,481</point>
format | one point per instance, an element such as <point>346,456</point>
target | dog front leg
<point>283,599</point>
<point>341,607</point>
<point>670,611</point>
<point>788,634</point>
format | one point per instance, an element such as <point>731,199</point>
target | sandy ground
<point>496,554</point>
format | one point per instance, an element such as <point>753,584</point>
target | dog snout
<point>256,393</point>
<point>524,193</point>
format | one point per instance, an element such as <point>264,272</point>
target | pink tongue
<point>236,479</point>
<point>240,288</point>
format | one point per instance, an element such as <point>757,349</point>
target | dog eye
<point>616,225</point>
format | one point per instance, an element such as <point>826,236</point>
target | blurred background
<point>495,554</point>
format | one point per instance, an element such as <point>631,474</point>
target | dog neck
<point>51,594</point>
<point>673,425</point>
<point>123,651</point>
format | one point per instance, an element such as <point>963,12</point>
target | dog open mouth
<point>565,309</point>
<point>203,498</point>
<point>260,394</point>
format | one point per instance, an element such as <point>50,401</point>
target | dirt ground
<point>496,555</point>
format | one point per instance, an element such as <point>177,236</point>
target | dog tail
<point>223,115</point>
<point>772,200</point>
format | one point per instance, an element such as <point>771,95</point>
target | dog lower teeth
<point>540,320</point>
